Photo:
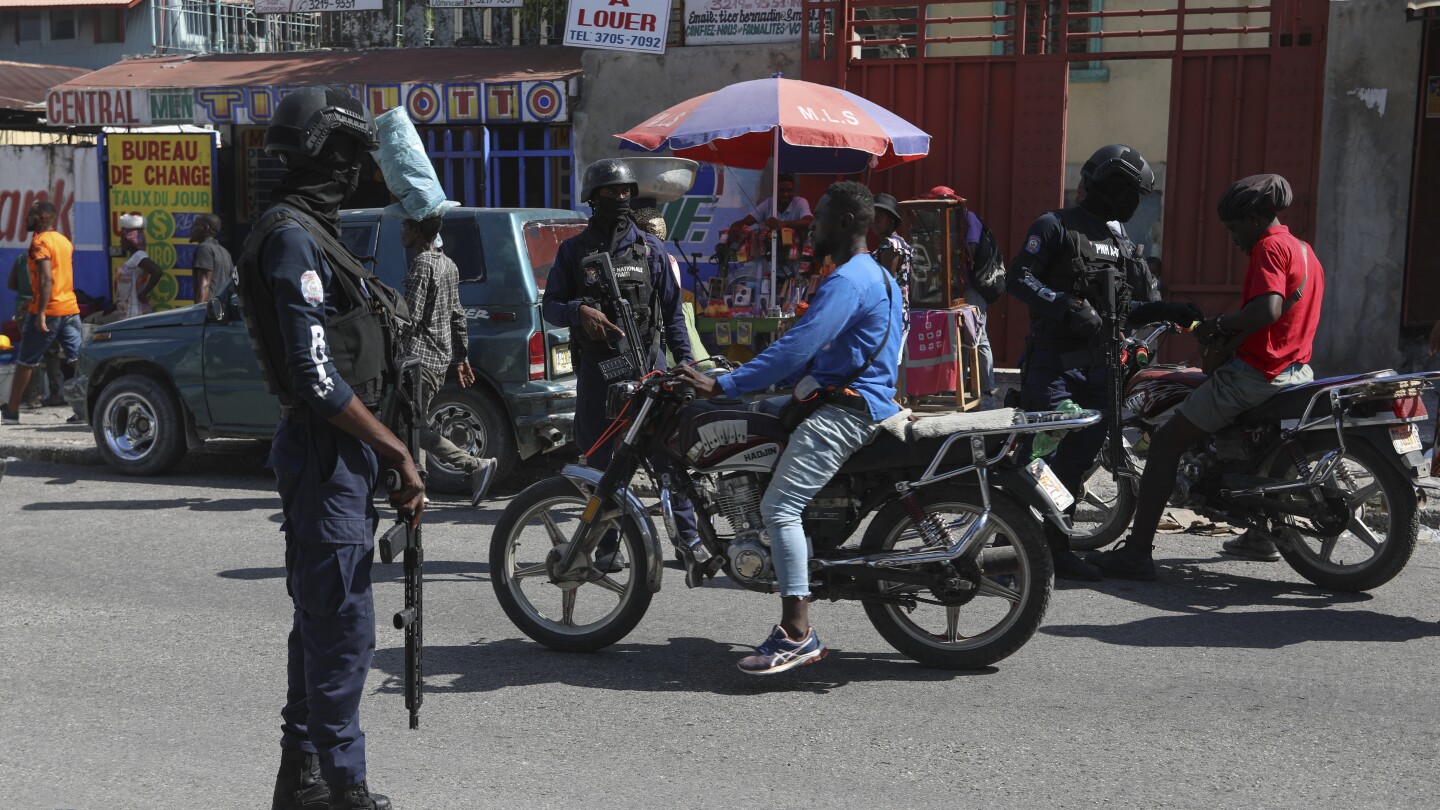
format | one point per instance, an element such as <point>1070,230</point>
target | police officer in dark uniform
<point>325,449</point>
<point>1062,356</point>
<point>578,298</point>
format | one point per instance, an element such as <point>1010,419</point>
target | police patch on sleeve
<point>311,288</point>
<point>1032,245</point>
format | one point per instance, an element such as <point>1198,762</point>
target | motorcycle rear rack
<point>1377,385</point>
<point>980,465</point>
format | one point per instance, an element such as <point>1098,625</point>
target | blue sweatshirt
<point>851,313</point>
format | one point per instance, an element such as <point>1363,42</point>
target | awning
<point>1422,9</point>
<point>23,84</point>
<point>25,5</point>
<point>435,85</point>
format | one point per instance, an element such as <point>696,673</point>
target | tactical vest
<point>632,274</point>
<point>363,335</point>
<point>1086,256</point>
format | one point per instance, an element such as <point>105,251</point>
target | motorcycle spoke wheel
<point>1379,534</point>
<point>1105,503</point>
<point>1006,607</point>
<point>585,609</point>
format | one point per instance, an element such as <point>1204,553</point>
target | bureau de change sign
<point>620,25</point>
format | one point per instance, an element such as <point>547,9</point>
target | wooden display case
<point>935,230</point>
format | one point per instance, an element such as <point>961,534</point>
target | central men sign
<point>618,25</point>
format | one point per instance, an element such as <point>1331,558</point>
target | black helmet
<point>306,118</point>
<point>607,172</point>
<point>1118,163</point>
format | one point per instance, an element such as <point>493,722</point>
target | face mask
<point>610,208</point>
<point>1116,206</point>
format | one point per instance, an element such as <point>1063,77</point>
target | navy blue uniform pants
<point>325,478</point>
<point>591,424</point>
<point>1046,384</point>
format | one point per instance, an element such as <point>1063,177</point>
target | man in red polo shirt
<point>1271,337</point>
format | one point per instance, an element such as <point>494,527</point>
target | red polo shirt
<point>1278,262</point>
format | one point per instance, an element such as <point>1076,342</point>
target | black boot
<point>357,797</point>
<point>1068,564</point>
<point>299,785</point>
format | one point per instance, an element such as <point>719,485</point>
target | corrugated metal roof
<point>43,4</point>
<point>376,66</point>
<point>23,84</point>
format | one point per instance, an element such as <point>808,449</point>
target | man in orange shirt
<point>54,312</point>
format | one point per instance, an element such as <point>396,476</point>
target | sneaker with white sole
<point>779,653</point>
<point>8,416</point>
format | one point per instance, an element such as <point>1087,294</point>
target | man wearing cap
<point>1271,337</point>
<point>894,254</point>
<point>139,275</point>
<point>973,230</point>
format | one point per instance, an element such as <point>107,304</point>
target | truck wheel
<point>138,427</point>
<point>476,422</point>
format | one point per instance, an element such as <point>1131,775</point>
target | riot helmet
<point>607,172</point>
<point>1113,179</point>
<point>307,117</point>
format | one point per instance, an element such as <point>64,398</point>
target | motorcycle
<point>952,570</point>
<point>1327,470</point>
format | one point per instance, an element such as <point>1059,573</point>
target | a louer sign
<point>619,25</point>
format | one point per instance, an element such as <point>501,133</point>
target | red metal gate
<point>998,120</point>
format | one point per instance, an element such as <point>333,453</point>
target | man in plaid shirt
<point>439,337</point>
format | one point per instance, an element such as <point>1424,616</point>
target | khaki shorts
<point>1235,388</point>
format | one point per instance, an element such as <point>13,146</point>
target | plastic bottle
<point>1045,443</point>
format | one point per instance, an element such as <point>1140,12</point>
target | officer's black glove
<point>1184,314</point>
<point>1082,320</point>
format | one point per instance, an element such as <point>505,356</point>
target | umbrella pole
<point>775,233</point>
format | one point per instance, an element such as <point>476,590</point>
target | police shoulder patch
<point>1032,245</point>
<point>311,288</point>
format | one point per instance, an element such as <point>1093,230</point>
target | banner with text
<point>618,25</point>
<point>309,6</point>
<point>732,22</point>
<point>168,179</point>
<point>69,177</point>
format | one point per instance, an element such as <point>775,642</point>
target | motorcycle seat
<point>1291,403</point>
<point>906,441</point>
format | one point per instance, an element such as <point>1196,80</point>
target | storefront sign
<point>307,6</point>
<point>69,177</point>
<point>96,108</point>
<point>167,179</point>
<point>731,22</point>
<point>618,25</point>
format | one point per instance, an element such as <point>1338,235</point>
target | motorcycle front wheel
<point>1016,577</point>
<point>586,610</point>
<point>1105,504</point>
<point>1382,529</point>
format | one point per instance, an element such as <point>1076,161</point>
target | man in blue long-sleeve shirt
<point>325,449</point>
<point>576,296</point>
<point>853,320</point>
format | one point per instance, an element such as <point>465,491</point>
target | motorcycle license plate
<point>1405,438</point>
<point>1049,482</point>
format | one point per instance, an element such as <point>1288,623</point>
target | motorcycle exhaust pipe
<point>550,434</point>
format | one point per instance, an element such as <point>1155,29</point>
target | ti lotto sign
<point>618,25</point>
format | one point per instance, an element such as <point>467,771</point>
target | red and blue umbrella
<point>816,129</point>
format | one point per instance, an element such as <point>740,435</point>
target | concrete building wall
<point>82,51</point>
<point>619,90</point>
<point>1367,145</point>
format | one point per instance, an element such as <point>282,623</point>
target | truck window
<point>359,237</point>
<point>542,241</point>
<point>461,236</point>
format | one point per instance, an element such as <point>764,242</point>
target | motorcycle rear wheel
<point>1383,529</point>
<point>593,612</point>
<point>1017,578</point>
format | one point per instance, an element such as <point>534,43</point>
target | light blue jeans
<point>816,451</point>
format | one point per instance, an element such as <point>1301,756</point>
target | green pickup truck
<point>156,385</point>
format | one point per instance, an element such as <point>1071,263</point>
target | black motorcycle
<point>952,569</point>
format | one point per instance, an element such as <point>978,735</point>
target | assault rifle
<point>402,538</point>
<point>1113,294</point>
<point>630,365</point>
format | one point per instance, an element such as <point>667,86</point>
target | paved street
<point>143,624</point>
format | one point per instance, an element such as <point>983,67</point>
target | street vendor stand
<point>940,352</point>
